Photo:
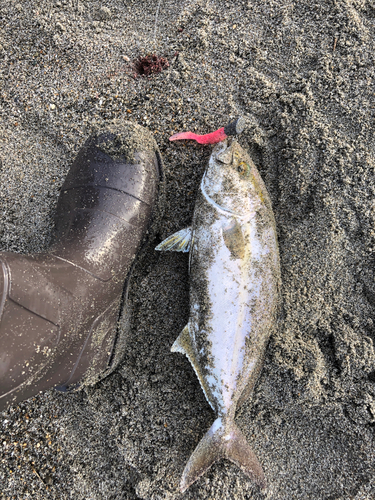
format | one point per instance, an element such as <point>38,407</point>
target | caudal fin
<point>223,440</point>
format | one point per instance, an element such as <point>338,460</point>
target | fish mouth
<point>223,153</point>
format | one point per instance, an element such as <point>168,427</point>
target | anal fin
<point>185,345</point>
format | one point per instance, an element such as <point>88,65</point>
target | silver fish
<point>234,296</point>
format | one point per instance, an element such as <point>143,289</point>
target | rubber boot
<point>59,310</point>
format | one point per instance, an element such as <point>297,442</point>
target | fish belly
<point>232,301</point>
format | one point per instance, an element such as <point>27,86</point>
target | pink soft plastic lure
<point>233,128</point>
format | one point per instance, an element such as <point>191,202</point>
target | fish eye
<point>243,168</point>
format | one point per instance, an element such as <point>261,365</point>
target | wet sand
<point>302,74</point>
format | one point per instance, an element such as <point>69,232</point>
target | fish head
<point>232,181</point>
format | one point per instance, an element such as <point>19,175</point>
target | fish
<point>234,280</point>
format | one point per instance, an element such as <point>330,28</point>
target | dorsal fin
<point>185,345</point>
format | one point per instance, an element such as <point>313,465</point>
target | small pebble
<point>104,12</point>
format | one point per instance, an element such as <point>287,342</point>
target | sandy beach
<point>302,75</point>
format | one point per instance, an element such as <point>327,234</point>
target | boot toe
<point>106,203</point>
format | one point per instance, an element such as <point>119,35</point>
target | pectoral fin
<point>233,239</point>
<point>184,345</point>
<point>177,242</point>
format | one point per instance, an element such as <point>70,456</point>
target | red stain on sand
<point>151,64</point>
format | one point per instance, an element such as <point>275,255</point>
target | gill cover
<point>228,183</point>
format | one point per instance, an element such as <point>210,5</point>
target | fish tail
<point>223,440</point>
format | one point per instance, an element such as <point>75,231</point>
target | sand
<point>302,75</point>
